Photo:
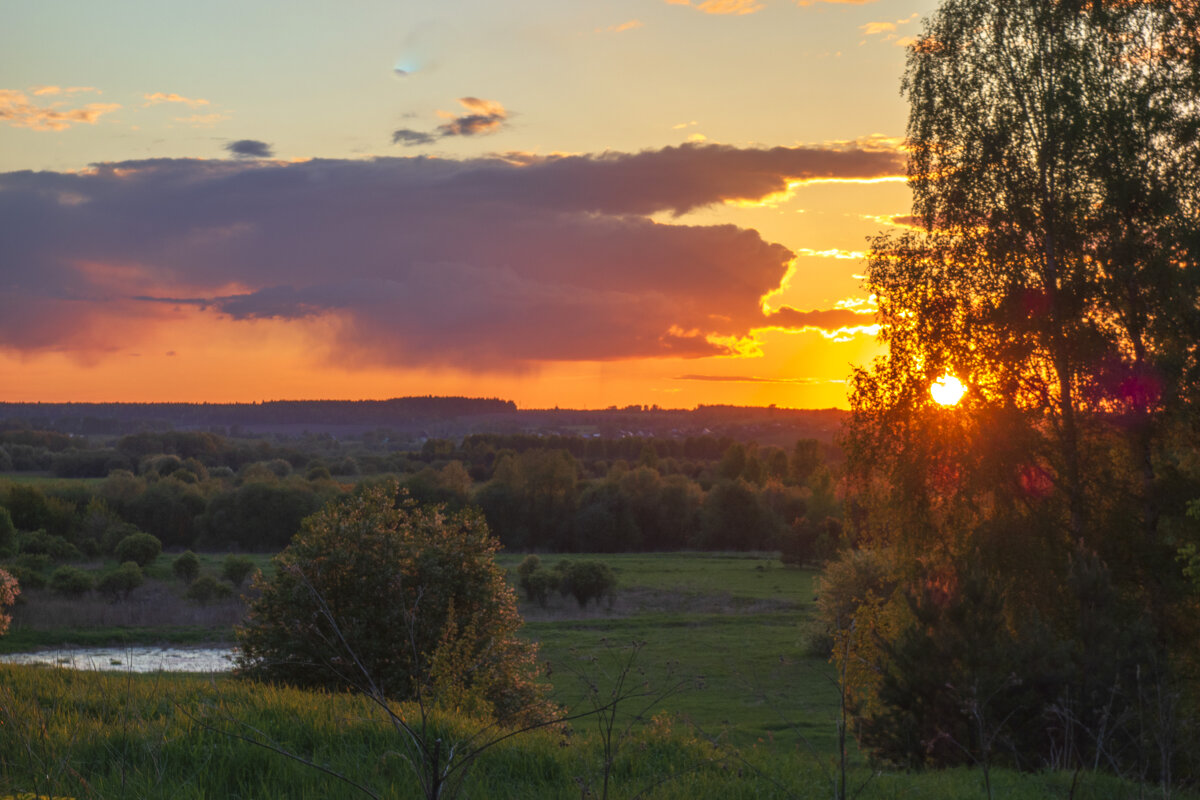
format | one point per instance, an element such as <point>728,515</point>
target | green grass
<point>723,636</point>
<point>112,735</point>
<point>742,576</point>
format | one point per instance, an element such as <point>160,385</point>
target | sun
<point>947,390</point>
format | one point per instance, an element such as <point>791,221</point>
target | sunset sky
<point>558,203</point>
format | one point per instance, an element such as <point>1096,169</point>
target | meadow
<point>727,700</point>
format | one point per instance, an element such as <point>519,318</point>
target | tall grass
<point>114,735</point>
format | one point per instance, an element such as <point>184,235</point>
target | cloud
<point>249,148</point>
<point>839,323</point>
<point>19,112</point>
<point>48,90</point>
<point>630,25</point>
<point>803,3</point>
<point>721,6</point>
<point>482,264</point>
<point>889,31</point>
<point>750,379</point>
<point>202,120</point>
<point>409,137</point>
<point>155,98</point>
<point>485,116</point>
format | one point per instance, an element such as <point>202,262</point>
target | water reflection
<point>132,659</point>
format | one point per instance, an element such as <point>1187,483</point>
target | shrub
<point>141,548</point>
<point>409,593</point>
<point>236,569</point>
<point>186,566</point>
<point>56,547</point>
<point>117,584</point>
<point>70,582</point>
<point>114,533</point>
<point>206,589</point>
<point>28,577</point>
<point>587,581</point>
<point>9,590</point>
<point>537,583</point>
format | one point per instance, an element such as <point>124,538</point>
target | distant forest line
<point>414,417</point>
<point>72,495</point>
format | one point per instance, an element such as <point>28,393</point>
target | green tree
<point>207,590</point>
<point>118,583</point>
<point>71,582</point>
<point>1054,164</point>
<point>587,581</point>
<point>186,566</point>
<point>140,548</point>
<point>1055,171</point>
<point>236,569</point>
<point>371,591</point>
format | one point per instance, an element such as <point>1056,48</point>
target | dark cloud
<point>744,379</point>
<point>485,116</point>
<point>831,319</point>
<point>249,148</point>
<point>409,137</point>
<point>484,264</point>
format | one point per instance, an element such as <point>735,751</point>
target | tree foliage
<point>9,591</point>
<point>140,548</point>
<point>374,590</point>
<point>1054,267</point>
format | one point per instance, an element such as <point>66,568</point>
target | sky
<point>658,202</point>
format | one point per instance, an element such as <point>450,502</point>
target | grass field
<point>741,709</point>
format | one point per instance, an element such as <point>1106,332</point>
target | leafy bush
<point>141,548</point>
<point>56,547</point>
<point>537,583</point>
<point>587,581</point>
<point>117,584</point>
<point>236,569</point>
<point>28,577</point>
<point>70,582</point>
<point>206,589</point>
<point>186,566</point>
<point>412,593</point>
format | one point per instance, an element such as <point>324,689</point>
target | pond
<point>131,659</point>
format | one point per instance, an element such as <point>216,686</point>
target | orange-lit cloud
<point>630,25</point>
<point>202,120</point>
<point>19,112</point>
<point>482,264</point>
<point>803,3</point>
<point>889,31</point>
<point>848,319</point>
<point>49,90</point>
<point>154,98</point>
<point>754,379</point>
<point>721,6</point>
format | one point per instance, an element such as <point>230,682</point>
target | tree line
<point>198,491</point>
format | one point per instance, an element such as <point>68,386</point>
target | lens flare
<point>947,390</point>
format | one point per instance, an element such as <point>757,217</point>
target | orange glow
<point>947,390</point>
<point>199,357</point>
